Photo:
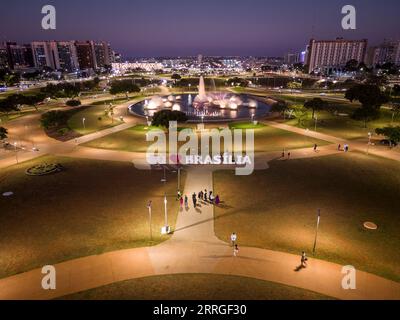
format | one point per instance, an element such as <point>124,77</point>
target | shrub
<point>73,103</point>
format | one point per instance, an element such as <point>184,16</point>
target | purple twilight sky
<point>189,27</point>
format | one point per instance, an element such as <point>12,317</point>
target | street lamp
<point>369,141</point>
<point>166,229</point>
<point>316,232</point>
<point>149,207</point>
<point>16,152</point>
<point>316,120</point>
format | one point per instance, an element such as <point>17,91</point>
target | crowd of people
<point>205,196</point>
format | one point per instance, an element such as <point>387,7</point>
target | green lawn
<point>280,212</point>
<point>267,139</point>
<point>89,208</point>
<point>196,287</point>
<point>344,126</point>
<point>337,125</point>
<point>96,120</point>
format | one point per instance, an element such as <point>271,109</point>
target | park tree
<point>176,77</point>
<point>281,107</point>
<point>236,81</point>
<point>163,117</point>
<point>124,86</point>
<point>315,104</point>
<point>9,104</point>
<point>395,91</point>
<point>351,65</point>
<point>371,98</point>
<point>33,100</point>
<point>62,90</point>
<point>11,79</point>
<point>395,108</point>
<point>300,113</point>
<point>53,119</point>
<point>376,80</point>
<point>392,133</point>
<point>294,85</point>
<point>3,133</point>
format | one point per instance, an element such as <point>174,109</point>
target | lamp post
<point>369,142</point>
<point>165,229</point>
<point>316,120</point>
<point>316,232</point>
<point>179,177</point>
<point>149,207</point>
<point>16,152</point>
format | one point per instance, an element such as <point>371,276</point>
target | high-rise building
<point>86,55</point>
<point>4,61</point>
<point>19,56</point>
<point>329,55</point>
<point>291,58</point>
<point>103,53</point>
<point>57,55</point>
<point>42,55</point>
<point>64,55</point>
<point>388,51</point>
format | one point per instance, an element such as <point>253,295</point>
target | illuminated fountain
<point>212,104</point>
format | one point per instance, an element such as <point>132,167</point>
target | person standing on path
<point>181,201</point>
<point>205,195</point>
<point>235,250</point>
<point>339,147</point>
<point>233,239</point>
<point>304,260</point>
<point>186,201</point>
<point>194,199</point>
<point>315,147</point>
<point>288,156</point>
<point>217,200</point>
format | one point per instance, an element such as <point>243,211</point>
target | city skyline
<point>152,29</point>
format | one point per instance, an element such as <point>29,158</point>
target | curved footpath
<point>194,248</point>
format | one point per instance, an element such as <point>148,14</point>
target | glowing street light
<point>369,141</point>
<point>16,152</point>
<point>149,207</point>
<point>166,229</point>
<point>316,232</point>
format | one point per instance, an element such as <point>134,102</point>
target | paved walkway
<point>194,248</point>
<point>354,145</point>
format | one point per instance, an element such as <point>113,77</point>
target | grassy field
<point>196,287</point>
<point>267,139</point>
<point>280,213</point>
<point>344,126</point>
<point>328,123</point>
<point>96,120</point>
<point>89,208</point>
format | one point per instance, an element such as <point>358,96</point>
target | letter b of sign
<point>349,20</point>
<point>49,20</point>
